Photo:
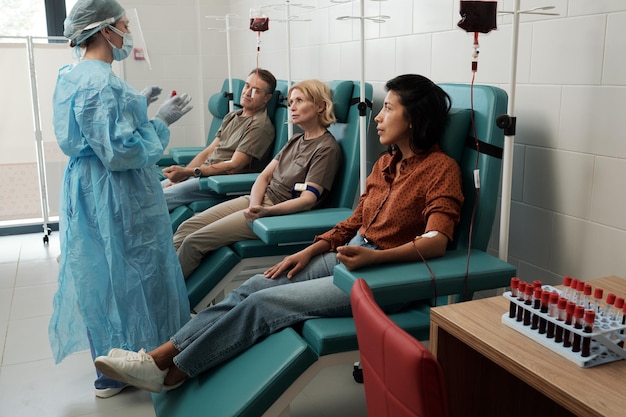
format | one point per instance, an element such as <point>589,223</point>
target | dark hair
<point>426,108</point>
<point>266,76</point>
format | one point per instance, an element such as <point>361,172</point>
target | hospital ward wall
<point>570,153</point>
<point>567,214</point>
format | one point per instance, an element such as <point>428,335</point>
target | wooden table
<point>492,370</point>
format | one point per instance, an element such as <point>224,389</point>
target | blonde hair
<point>318,92</point>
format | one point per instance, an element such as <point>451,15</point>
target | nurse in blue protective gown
<point>120,282</point>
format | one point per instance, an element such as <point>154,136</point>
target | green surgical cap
<point>89,16</point>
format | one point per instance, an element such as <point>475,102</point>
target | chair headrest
<point>342,96</point>
<point>218,105</point>
<point>455,132</point>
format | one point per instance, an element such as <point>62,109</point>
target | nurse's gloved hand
<point>151,93</point>
<point>174,108</point>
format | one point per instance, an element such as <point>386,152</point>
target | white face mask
<point>122,53</point>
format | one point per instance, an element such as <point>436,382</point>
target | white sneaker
<point>134,368</point>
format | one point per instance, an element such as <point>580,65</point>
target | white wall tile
<point>608,201</point>
<point>330,69</point>
<point>529,236</point>
<point>529,273</point>
<point>587,250</point>
<point>401,18</point>
<point>433,15</point>
<point>413,54</point>
<point>568,51</point>
<point>306,63</point>
<point>558,181</point>
<point>614,56</point>
<point>340,30</point>
<point>586,7</point>
<point>517,180</point>
<point>380,59</point>
<point>537,108</point>
<point>592,120</point>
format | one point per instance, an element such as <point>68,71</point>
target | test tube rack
<point>605,336</point>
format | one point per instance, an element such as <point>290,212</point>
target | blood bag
<point>258,21</point>
<point>478,15</point>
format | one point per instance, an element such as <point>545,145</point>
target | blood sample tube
<point>567,281</point>
<point>558,334</point>
<point>569,316</point>
<point>587,296</point>
<point>580,288</point>
<point>590,317</point>
<point>528,301</point>
<point>579,314</point>
<point>514,289</point>
<point>608,307</point>
<point>537,306</point>
<point>617,310</point>
<point>545,299</point>
<point>553,311</point>
<point>520,297</point>
<point>572,290</point>
<point>598,293</point>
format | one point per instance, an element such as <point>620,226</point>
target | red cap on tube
<point>514,282</point>
<point>537,283</point>
<point>610,299</point>
<point>590,316</point>
<point>545,297</point>
<point>619,302</point>
<point>567,281</point>
<point>574,283</point>
<point>537,294</point>
<point>580,286</point>
<point>554,297</point>
<point>570,307</point>
<point>587,289</point>
<point>598,293</point>
<point>579,312</point>
<point>562,303</point>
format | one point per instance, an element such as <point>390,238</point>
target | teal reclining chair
<point>276,110</point>
<point>218,106</point>
<point>263,380</point>
<point>241,260</point>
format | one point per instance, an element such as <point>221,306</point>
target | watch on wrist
<point>197,172</point>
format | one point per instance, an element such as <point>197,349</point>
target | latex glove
<point>151,93</point>
<point>174,108</point>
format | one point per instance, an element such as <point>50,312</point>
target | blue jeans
<point>188,191</point>
<point>102,381</point>
<point>258,308</point>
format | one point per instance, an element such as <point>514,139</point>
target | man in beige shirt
<point>242,144</point>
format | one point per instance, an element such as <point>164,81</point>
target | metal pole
<point>289,120</point>
<point>43,183</point>
<point>362,118</point>
<point>231,105</point>
<point>509,145</point>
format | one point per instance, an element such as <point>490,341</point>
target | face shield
<point>139,56</point>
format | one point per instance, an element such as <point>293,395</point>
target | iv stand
<point>227,29</point>
<point>362,102</point>
<point>508,122</point>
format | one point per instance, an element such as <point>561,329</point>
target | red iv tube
<point>579,313</point>
<point>590,317</point>
<point>561,315</point>
<point>545,299</point>
<point>520,297</point>
<point>569,315</point>
<point>553,311</point>
<point>537,306</point>
<point>514,290</point>
<point>528,300</point>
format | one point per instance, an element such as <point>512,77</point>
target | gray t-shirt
<point>312,160</point>
<point>252,135</point>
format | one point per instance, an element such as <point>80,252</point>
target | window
<point>33,17</point>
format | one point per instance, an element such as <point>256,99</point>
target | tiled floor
<point>31,385</point>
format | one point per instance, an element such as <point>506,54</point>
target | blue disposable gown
<point>119,275</point>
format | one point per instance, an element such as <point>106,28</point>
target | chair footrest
<point>244,386</point>
<point>209,273</point>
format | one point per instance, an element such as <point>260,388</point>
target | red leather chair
<point>401,377</point>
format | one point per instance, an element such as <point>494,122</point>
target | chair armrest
<point>183,156</point>
<point>298,227</point>
<point>229,184</point>
<point>403,282</point>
